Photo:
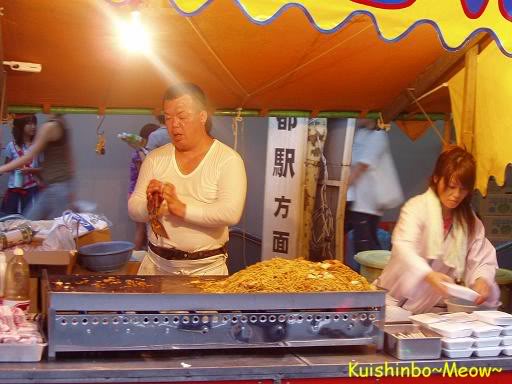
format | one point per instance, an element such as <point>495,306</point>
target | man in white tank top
<point>202,185</point>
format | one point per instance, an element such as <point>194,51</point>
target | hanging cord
<point>323,221</point>
<point>237,125</point>
<point>382,125</point>
<point>100,133</point>
<point>238,119</point>
<point>432,125</point>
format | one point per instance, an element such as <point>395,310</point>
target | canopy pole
<point>447,131</point>
<point>342,191</point>
<point>469,98</point>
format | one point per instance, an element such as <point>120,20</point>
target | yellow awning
<point>455,21</point>
<point>493,122</point>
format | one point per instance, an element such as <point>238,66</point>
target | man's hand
<point>481,287</point>
<point>154,191</point>
<point>172,204</point>
<point>436,279</point>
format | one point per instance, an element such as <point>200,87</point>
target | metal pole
<point>342,192</point>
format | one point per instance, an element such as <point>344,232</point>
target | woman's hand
<point>481,287</point>
<point>436,280</point>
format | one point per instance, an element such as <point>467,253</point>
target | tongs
<point>155,201</point>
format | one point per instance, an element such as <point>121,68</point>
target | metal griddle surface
<point>125,292</point>
<point>124,284</point>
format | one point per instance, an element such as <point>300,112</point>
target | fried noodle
<point>282,275</point>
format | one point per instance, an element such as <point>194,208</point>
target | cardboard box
<point>498,228</point>
<point>94,237</point>
<point>498,204</point>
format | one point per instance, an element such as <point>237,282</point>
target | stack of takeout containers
<point>481,333</point>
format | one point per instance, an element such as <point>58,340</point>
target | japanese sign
<point>284,180</point>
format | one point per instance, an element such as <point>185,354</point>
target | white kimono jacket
<point>404,275</point>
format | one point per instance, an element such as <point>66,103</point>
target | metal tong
<point>154,203</point>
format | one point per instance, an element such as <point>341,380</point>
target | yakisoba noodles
<point>281,275</point>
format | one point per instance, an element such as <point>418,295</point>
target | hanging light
<point>133,35</point>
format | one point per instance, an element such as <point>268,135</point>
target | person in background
<point>202,185</point>
<point>373,185</point>
<point>137,158</point>
<point>23,184</point>
<point>159,137</point>
<point>51,140</point>
<point>439,239</point>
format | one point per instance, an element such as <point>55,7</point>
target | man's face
<point>185,122</point>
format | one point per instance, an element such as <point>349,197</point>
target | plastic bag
<point>60,237</point>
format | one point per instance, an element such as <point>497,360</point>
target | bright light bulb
<point>133,35</point>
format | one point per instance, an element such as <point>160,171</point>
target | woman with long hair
<point>23,185</point>
<point>53,142</point>
<point>438,239</point>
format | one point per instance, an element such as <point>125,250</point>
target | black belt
<point>176,254</point>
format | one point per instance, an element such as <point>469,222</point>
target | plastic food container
<point>428,347</point>
<point>481,329</point>
<point>507,351</point>
<point>487,352</point>
<point>457,353</point>
<point>15,353</point>
<point>494,317</point>
<point>426,319</point>
<point>457,343</point>
<point>461,292</point>
<point>458,317</point>
<point>483,342</point>
<point>507,330</point>
<point>452,330</point>
<point>506,340</point>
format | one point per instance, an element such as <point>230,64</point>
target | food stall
<point>113,328</point>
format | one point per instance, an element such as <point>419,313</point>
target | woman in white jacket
<point>438,238</point>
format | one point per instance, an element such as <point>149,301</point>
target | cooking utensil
<point>155,201</point>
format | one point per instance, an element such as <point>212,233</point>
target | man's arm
<point>137,204</point>
<point>229,206</point>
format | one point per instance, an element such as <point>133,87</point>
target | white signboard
<point>284,180</point>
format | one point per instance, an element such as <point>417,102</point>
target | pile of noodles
<point>281,275</point>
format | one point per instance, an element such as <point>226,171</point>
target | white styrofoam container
<point>461,292</point>
<point>456,353</point>
<point>426,319</point>
<point>457,343</point>
<point>481,329</point>
<point>506,340</point>
<point>15,353</point>
<point>494,317</point>
<point>506,330</point>
<point>507,351</point>
<point>458,317</point>
<point>482,342</point>
<point>452,330</point>
<point>487,351</point>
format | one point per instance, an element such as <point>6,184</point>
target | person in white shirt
<point>203,185</point>
<point>373,185</point>
<point>159,137</point>
<point>439,239</point>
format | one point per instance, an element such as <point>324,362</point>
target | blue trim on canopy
<point>349,17</point>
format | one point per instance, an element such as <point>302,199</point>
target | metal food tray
<point>170,312</point>
<point>15,352</point>
<point>414,348</point>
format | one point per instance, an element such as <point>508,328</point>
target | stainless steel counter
<point>274,365</point>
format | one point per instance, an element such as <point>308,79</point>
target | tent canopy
<point>285,64</point>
